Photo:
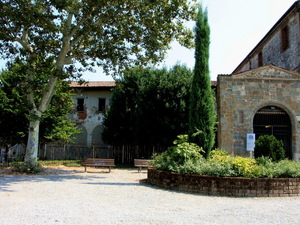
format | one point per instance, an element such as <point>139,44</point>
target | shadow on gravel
<point>113,183</point>
<point>56,175</point>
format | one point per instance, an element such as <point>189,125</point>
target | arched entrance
<point>97,135</point>
<point>81,138</point>
<point>272,120</point>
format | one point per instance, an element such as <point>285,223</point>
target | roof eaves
<point>268,34</point>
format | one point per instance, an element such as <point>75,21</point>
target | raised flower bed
<point>225,186</point>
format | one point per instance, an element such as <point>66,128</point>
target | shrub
<point>176,156</point>
<point>245,167</point>
<point>28,168</point>
<point>217,168</point>
<point>269,146</point>
<point>180,159</point>
<point>220,156</point>
<point>218,152</point>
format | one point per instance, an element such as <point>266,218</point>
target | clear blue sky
<point>236,27</point>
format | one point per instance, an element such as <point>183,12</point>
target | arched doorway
<point>81,138</point>
<point>272,120</point>
<point>97,135</point>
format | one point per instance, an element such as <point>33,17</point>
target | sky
<point>236,27</point>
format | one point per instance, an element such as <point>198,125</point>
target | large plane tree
<point>111,34</point>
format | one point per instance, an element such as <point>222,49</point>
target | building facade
<point>280,46</point>
<point>90,102</point>
<point>264,100</point>
<point>262,95</point>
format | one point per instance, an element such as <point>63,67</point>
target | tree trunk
<point>32,143</point>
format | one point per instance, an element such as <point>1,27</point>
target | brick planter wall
<point>225,186</point>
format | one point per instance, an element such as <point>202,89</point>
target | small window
<point>80,104</point>
<point>260,59</point>
<point>101,104</point>
<point>241,116</point>
<point>285,44</point>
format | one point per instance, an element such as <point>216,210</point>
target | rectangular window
<point>241,116</point>
<point>101,104</point>
<point>80,104</point>
<point>285,44</point>
<point>260,59</point>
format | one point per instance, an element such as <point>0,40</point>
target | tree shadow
<point>54,175</point>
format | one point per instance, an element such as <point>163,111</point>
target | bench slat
<point>141,163</point>
<point>94,162</point>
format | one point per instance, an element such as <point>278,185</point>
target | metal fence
<point>123,154</point>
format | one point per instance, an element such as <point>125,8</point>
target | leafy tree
<point>14,109</point>
<point>114,35</point>
<point>149,107</point>
<point>202,112</point>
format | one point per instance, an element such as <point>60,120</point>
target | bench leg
<point>140,169</point>
<point>85,169</point>
<point>109,169</point>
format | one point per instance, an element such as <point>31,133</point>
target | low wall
<point>225,186</point>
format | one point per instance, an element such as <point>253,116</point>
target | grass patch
<point>70,163</point>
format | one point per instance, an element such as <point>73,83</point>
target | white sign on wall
<point>250,142</point>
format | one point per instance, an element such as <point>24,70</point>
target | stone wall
<point>225,186</point>
<point>240,96</point>
<point>271,50</point>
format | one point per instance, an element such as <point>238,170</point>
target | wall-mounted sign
<point>250,142</point>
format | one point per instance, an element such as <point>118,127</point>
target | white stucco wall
<point>90,118</point>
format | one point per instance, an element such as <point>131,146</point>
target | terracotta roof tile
<point>93,84</point>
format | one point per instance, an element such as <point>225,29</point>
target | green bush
<point>177,156</point>
<point>245,167</point>
<point>221,164</point>
<point>269,146</point>
<point>21,167</point>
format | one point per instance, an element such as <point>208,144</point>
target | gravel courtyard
<point>70,196</point>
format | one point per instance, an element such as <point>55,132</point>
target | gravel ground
<point>70,196</point>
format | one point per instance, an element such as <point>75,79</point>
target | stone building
<point>280,46</point>
<point>262,94</point>
<point>90,102</point>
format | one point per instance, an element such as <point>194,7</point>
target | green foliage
<point>201,111</point>
<point>30,168</point>
<point>57,40</point>
<point>221,164</point>
<point>283,168</point>
<point>149,107</point>
<point>114,35</point>
<point>245,167</point>
<point>269,146</point>
<point>14,107</point>
<point>178,155</point>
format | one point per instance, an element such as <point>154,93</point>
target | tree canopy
<point>14,109</point>
<point>149,107</point>
<point>112,34</point>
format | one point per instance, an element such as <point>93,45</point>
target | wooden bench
<point>141,163</point>
<point>98,163</point>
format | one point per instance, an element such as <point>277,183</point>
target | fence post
<point>93,150</point>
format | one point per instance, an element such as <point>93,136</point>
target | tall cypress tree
<point>202,112</point>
